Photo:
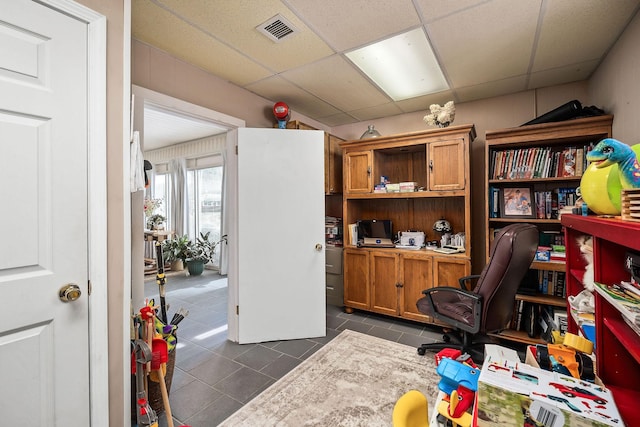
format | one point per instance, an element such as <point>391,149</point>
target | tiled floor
<point>214,377</point>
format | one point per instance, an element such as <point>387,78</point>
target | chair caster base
<point>421,351</point>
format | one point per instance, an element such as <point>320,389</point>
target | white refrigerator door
<point>276,236</point>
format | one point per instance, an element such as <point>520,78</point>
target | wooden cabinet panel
<point>417,275</point>
<point>358,172</point>
<point>447,165</point>
<point>332,164</point>
<point>449,270</point>
<point>356,279</point>
<point>332,158</point>
<point>384,282</point>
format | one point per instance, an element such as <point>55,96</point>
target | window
<point>205,204</point>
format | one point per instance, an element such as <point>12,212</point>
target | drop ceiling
<point>486,48</point>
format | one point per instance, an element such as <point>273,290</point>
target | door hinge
<point>236,150</point>
<point>89,287</point>
<point>237,310</point>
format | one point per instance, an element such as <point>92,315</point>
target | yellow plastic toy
<point>601,187</point>
<point>411,410</point>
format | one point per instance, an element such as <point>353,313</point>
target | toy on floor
<point>569,358</point>
<point>459,381</point>
<point>411,410</point>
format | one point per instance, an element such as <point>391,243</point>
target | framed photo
<point>516,202</point>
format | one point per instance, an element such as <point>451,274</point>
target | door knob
<point>69,292</point>
<point>318,247</point>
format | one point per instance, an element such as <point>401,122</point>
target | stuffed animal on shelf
<point>613,167</point>
<point>610,151</point>
<point>583,302</point>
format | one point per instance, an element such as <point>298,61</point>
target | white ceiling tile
<point>561,75</point>
<point>234,23</point>
<point>384,110</point>
<point>575,31</point>
<point>349,91</point>
<point>159,28</point>
<point>486,43</point>
<point>349,24</point>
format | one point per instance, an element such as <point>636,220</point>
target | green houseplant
<point>200,252</point>
<point>176,251</point>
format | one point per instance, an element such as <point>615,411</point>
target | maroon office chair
<point>489,306</point>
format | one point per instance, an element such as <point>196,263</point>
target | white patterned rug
<point>354,380</point>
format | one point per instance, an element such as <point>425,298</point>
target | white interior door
<point>280,275</point>
<point>44,351</point>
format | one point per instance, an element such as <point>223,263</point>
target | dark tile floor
<point>214,377</point>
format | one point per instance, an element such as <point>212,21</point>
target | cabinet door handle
<point>368,170</point>
<point>431,165</point>
<point>398,285</point>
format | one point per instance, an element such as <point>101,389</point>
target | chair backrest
<point>512,252</point>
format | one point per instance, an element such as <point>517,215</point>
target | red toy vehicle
<point>578,392</point>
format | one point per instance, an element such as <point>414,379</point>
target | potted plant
<point>201,252</point>
<point>176,251</point>
<point>154,222</point>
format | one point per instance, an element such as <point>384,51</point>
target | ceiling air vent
<point>277,28</point>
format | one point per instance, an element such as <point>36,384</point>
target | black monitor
<point>375,228</point>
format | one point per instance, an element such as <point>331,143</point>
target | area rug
<point>354,380</point>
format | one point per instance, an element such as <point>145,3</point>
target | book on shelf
<point>625,303</point>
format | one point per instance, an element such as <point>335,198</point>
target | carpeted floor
<point>354,380</point>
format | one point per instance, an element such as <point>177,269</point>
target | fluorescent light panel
<point>403,66</point>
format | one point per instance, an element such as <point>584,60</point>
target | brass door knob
<point>69,292</point>
<point>318,247</point>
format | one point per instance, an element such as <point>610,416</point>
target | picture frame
<point>517,202</point>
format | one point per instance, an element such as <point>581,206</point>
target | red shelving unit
<point>617,344</point>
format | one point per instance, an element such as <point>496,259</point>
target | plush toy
<point>610,151</point>
<point>613,166</point>
<point>583,302</point>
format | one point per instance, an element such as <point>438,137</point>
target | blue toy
<point>610,151</point>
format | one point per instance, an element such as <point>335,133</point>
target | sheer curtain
<point>224,256</point>
<point>179,196</point>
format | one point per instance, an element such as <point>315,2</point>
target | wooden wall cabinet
<point>617,346</point>
<point>389,281</point>
<point>332,158</point>
<point>513,160</point>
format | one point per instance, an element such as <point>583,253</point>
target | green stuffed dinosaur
<point>610,151</point>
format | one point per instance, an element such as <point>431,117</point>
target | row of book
<point>552,283</point>
<point>538,319</point>
<point>545,237</point>
<point>544,282</point>
<point>548,204</point>
<point>539,162</point>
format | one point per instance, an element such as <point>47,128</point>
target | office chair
<point>489,306</point>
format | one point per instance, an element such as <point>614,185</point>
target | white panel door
<point>44,353</point>
<point>280,245</point>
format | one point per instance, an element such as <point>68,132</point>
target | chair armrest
<point>448,289</point>
<point>474,300</point>
<point>466,279</point>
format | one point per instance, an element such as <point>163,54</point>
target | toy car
<point>578,392</point>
